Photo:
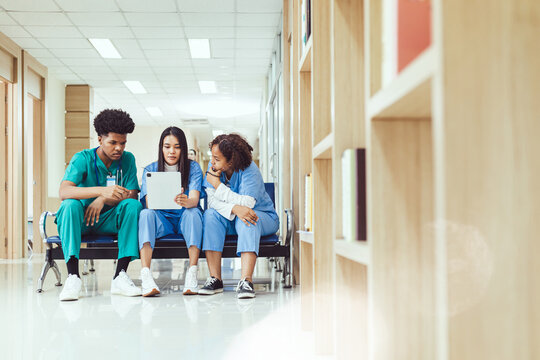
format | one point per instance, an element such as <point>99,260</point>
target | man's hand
<point>213,177</point>
<point>115,193</point>
<point>91,215</point>
<point>247,215</point>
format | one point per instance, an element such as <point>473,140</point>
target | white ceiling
<point>152,38</point>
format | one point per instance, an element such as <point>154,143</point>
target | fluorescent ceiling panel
<point>208,87</point>
<point>199,48</point>
<point>135,87</point>
<point>154,111</point>
<point>105,48</point>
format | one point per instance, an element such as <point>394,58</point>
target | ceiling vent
<point>195,122</point>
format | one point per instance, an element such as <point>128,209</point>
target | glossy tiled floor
<point>101,326</point>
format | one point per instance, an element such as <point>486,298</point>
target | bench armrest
<point>290,226</point>
<point>43,224</point>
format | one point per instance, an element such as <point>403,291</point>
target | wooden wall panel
<point>77,124</point>
<point>79,98</point>
<point>74,145</point>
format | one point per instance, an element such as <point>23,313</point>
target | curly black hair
<point>115,121</point>
<point>235,148</point>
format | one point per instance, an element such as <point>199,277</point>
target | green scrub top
<point>86,169</point>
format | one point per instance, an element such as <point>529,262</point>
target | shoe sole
<point>209,292</point>
<point>70,299</point>
<point>246,296</point>
<point>153,292</point>
<point>190,292</point>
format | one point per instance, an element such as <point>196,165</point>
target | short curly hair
<point>235,148</point>
<point>115,121</point>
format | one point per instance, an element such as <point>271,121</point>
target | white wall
<point>55,134</point>
<point>143,143</point>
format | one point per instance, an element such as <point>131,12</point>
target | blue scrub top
<point>247,182</point>
<point>195,183</point>
<point>86,169</point>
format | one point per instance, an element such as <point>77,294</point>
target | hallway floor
<point>101,326</point>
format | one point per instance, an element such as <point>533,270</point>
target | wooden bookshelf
<point>323,150</point>
<point>357,251</point>
<point>306,236</point>
<point>409,95</point>
<point>450,164</point>
<point>305,60</point>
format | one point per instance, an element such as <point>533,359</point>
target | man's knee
<point>71,206</point>
<point>131,206</point>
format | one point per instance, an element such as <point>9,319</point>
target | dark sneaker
<point>211,286</point>
<point>244,289</point>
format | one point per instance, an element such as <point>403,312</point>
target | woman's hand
<point>182,199</point>
<point>91,215</point>
<point>247,215</point>
<point>213,177</point>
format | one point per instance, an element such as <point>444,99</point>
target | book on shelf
<point>308,203</point>
<point>414,30</point>
<point>306,22</point>
<point>353,167</point>
<point>406,33</point>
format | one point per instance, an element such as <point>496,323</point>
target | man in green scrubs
<point>99,196</point>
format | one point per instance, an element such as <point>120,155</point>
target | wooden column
<point>79,104</point>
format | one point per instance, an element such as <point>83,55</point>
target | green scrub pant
<point>123,219</point>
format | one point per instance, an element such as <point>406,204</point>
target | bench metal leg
<point>57,273</point>
<point>44,272</point>
<point>49,264</point>
<point>85,267</point>
<point>287,274</point>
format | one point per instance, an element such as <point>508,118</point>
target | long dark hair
<point>183,164</point>
<point>235,148</point>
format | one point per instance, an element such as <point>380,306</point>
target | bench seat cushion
<point>107,239</point>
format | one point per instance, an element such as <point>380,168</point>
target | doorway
<point>34,149</point>
<point>3,170</point>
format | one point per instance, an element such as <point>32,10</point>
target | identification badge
<point>111,180</point>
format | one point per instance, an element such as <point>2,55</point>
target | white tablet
<point>163,187</point>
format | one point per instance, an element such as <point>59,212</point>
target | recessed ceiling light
<point>154,111</point>
<point>208,87</point>
<point>199,48</point>
<point>105,48</point>
<point>135,87</point>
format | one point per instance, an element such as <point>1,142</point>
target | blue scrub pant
<point>154,224</point>
<point>216,227</point>
<point>121,219</point>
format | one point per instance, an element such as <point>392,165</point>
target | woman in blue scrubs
<point>172,156</point>
<point>237,204</point>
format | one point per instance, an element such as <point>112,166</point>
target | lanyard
<point>118,170</point>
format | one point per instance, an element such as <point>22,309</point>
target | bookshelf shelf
<point>323,150</point>
<point>356,251</point>
<point>305,61</point>
<point>409,95</point>
<point>306,236</point>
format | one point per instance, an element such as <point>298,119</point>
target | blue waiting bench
<point>167,247</point>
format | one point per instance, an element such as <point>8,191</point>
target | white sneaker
<point>123,285</point>
<point>71,289</point>
<point>191,284</point>
<point>149,287</point>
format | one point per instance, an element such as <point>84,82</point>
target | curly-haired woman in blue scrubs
<point>237,204</point>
